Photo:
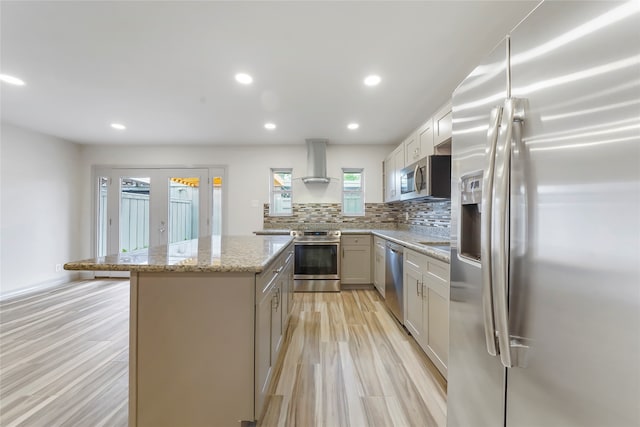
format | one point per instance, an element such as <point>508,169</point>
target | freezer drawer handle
<point>485,231</point>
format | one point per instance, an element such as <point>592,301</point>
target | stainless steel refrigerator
<point>545,265</point>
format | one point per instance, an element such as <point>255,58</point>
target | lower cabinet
<point>426,284</point>
<point>379,264</point>
<point>274,294</point>
<point>355,266</point>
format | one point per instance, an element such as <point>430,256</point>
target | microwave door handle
<point>485,232</point>
<point>415,179</point>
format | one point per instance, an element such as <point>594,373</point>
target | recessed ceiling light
<point>118,126</point>
<point>270,126</point>
<point>244,79</point>
<point>372,80</point>
<point>11,80</point>
<point>353,126</point>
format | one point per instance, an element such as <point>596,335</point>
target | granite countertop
<point>272,232</point>
<point>411,240</point>
<point>406,238</point>
<point>238,254</point>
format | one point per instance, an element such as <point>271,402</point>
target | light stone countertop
<point>406,238</point>
<point>411,240</point>
<point>237,254</point>
<point>272,232</point>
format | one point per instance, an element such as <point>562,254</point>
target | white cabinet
<point>420,143</point>
<point>379,264</point>
<point>413,281</point>
<point>436,317</point>
<point>426,284</point>
<point>389,178</point>
<point>393,164</point>
<point>355,268</point>
<point>411,149</point>
<point>442,125</point>
<point>274,290</point>
<point>268,332</point>
<point>425,138</point>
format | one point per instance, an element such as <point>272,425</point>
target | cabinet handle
<point>417,288</point>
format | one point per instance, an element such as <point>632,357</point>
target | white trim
<point>40,287</point>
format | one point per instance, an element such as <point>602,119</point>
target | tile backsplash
<point>408,214</point>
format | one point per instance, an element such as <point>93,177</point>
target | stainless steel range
<point>317,260</point>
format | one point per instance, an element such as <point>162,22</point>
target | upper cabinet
<point>411,149</point>
<point>433,137</point>
<point>442,125</point>
<point>393,164</point>
<point>425,138</point>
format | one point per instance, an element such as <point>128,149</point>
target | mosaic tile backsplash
<point>408,214</point>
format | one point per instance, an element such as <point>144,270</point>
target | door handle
<point>485,232</point>
<point>500,235</point>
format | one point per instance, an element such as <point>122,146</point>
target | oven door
<point>316,260</point>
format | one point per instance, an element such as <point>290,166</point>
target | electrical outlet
<point>58,268</point>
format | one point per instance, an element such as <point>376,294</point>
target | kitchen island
<point>207,317</point>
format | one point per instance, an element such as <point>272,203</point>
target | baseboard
<point>344,287</point>
<point>42,286</point>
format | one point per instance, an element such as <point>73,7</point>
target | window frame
<point>273,192</point>
<point>347,192</point>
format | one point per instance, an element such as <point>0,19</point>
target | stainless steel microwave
<point>428,177</point>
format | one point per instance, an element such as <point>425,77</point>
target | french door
<point>140,208</point>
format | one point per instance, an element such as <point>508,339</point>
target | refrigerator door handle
<point>500,233</point>
<point>485,231</point>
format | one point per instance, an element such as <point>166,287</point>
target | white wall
<point>39,209</point>
<point>247,178</point>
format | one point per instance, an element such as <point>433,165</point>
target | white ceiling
<point>166,69</point>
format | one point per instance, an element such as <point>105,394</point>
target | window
<point>352,192</point>
<point>281,196</point>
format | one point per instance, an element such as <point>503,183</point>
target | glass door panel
<point>184,208</point>
<point>216,214</point>
<point>134,214</point>
<point>102,228</point>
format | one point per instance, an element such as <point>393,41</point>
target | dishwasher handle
<point>395,248</point>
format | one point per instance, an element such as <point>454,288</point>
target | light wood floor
<point>64,357</point>
<point>349,363</point>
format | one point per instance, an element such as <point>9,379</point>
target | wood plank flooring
<point>64,356</point>
<point>346,362</point>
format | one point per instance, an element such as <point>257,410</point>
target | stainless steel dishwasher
<point>393,289</point>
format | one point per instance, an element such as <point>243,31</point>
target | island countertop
<point>238,254</point>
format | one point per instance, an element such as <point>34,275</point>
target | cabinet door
<point>442,125</point>
<point>276,321</point>
<point>411,149</point>
<point>379,266</point>
<point>389,179</point>
<point>413,291</point>
<point>425,139</point>
<point>438,325</point>
<point>356,265</point>
<point>398,160</point>
<point>263,349</point>
<point>436,321</point>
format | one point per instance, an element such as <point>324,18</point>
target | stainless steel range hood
<point>316,162</point>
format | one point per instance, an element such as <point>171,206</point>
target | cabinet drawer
<point>415,259</point>
<point>356,240</point>
<point>438,269</point>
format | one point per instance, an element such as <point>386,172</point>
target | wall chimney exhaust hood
<point>316,162</point>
